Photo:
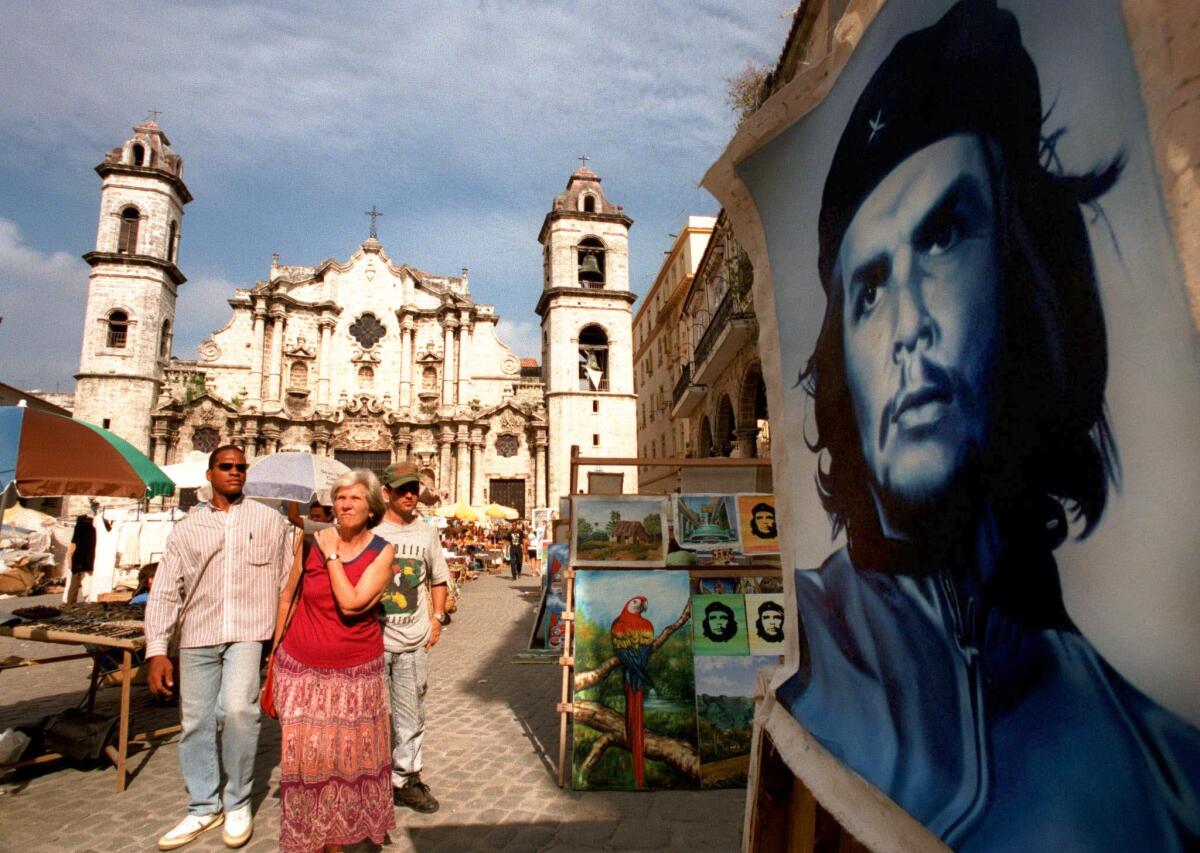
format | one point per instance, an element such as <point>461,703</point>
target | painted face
<point>772,623</point>
<point>717,623</point>
<point>765,521</point>
<point>920,273</point>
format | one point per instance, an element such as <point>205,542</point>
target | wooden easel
<point>565,705</point>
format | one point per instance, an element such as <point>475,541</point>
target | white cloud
<point>202,308</point>
<point>42,299</point>
<point>524,337</point>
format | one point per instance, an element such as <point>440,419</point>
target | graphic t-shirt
<point>418,562</point>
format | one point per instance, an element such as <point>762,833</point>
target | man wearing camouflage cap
<point>419,575</point>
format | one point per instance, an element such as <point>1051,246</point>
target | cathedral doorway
<point>373,460</point>
<point>508,493</point>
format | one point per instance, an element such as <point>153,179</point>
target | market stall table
<point>120,636</point>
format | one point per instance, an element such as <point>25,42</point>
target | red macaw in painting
<point>632,638</point>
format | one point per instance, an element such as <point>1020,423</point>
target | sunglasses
<point>229,466</point>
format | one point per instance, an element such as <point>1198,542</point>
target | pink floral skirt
<point>335,754</point>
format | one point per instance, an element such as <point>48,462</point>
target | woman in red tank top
<point>329,685</point>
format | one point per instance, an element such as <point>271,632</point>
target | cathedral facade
<point>366,359</point>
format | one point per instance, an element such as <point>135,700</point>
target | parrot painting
<point>632,639</point>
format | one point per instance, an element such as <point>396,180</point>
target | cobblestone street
<point>490,750</point>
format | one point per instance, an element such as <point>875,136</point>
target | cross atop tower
<point>154,114</point>
<point>374,214</point>
<point>583,158</point>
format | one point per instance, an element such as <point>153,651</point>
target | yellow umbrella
<point>460,510</point>
<point>499,511</point>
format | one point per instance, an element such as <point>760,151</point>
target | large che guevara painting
<point>988,387</point>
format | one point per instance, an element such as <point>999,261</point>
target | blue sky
<point>601,595</point>
<point>460,121</point>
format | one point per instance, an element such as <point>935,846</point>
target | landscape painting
<point>705,522</point>
<point>725,716</point>
<point>618,531</point>
<point>634,699</point>
<point>756,524</point>
<point>720,625</point>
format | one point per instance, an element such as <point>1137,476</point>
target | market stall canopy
<point>190,473</point>
<point>293,476</point>
<point>47,455</point>
<point>460,510</point>
<point>501,511</point>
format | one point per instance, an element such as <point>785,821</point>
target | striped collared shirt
<point>220,577</point>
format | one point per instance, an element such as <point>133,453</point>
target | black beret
<point>967,73</point>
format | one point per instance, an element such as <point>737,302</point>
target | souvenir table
<point>104,630</point>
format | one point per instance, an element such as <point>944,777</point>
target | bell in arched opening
<point>589,271</point>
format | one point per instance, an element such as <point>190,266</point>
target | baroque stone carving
<point>511,364</point>
<point>209,351</point>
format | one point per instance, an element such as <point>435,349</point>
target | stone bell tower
<point>587,333</point>
<point>133,285</point>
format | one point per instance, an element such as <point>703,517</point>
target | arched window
<point>752,408</point>
<point>164,340</point>
<point>590,260</point>
<point>138,155</point>
<point>171,240</point>
<point>366,376</point>
<point>118,329</point>
<point>128,240</point>
<point>593,359</point>
<point>298,375</point>
<point>589,203</point>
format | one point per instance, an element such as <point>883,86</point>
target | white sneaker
<point>239,826</point>
<point>189,829</point>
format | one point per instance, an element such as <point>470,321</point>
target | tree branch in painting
<point>678,754</point>
<point>584,680</point>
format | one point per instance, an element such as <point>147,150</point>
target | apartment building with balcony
<point>718,398</point>
<point>659,349</point>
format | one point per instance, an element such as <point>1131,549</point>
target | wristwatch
<point>441,618</point>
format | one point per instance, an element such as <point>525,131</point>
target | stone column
<point>444,440</point>
<point>539,468</point>
<point>745,441</point>
<point>256,355</point>
<point>250,439</point>
<point>462,479</point>
<point>270,440</point>
<point>406,359</point>
<point>449,324</point>
<point>476,466</point>
<point>159,434</point>
<point>462,350</point>
<point>278,318</point>
<point>324,358</point>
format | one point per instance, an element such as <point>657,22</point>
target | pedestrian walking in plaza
<point>516,551</point>
<point>215,592</point>
<point>81,554</point>
<point>334,786</point>
<point>414,613</point>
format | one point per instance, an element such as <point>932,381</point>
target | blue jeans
<point>406,675</point>
<point>219,687</point>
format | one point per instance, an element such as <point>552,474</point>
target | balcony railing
<point>719,319</point>
<point>685,379</point>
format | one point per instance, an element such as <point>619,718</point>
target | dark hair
<point>761,506</point>
<point>1050,447</point>
<point>212,457</point>
<point>731,629</point>
<point>763,608</point>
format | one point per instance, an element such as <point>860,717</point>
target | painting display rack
<point>565,705</point>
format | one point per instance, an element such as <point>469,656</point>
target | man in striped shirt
<point>215,596</point>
